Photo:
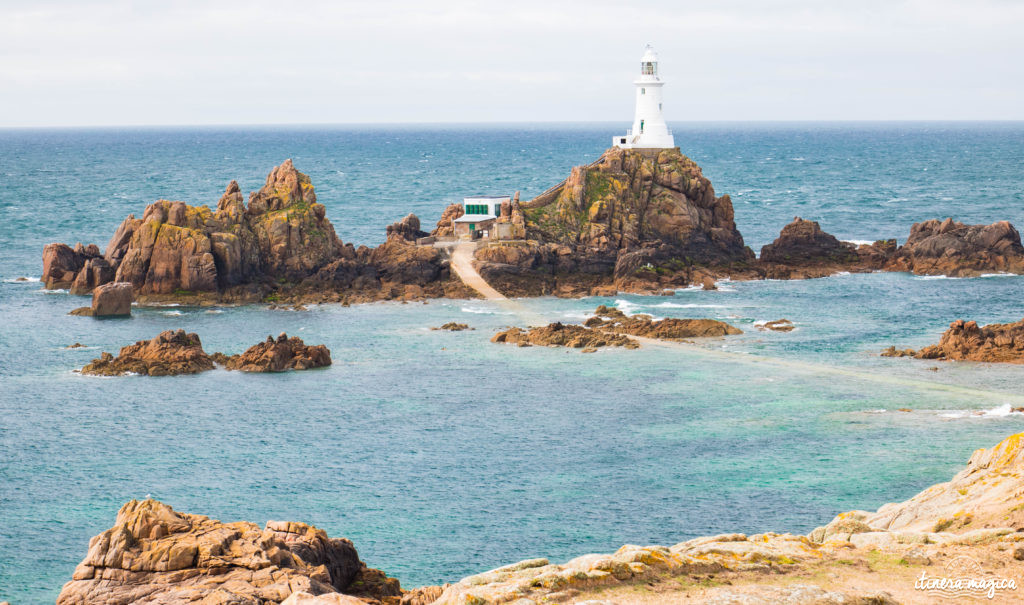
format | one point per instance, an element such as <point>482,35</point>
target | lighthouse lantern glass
<point>649,68</point>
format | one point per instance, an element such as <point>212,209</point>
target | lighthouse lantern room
<point>649,129</point>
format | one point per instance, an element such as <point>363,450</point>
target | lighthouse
<point>649,129</point>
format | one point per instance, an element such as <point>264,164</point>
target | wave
<point>930,277</point>
<point>484,311</point>
<point>998,275</point>
<point>23,280</point>
<point>171,313</point>
<point>672,305</point>
<point>859,242</point>
<point>1000,411</point>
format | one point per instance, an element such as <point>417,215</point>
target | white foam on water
<point>672,305</point>
<point>61,291</point>
<point>214,311</point>
<point>1000,411</point>
<point>575,315</point>
<point>170,313</point>
<point>929,277</point>
<point>484,311</point>
<point>998,275</point>
<point>859,242</point>
<point>23,280</point>
<point>626,307</point>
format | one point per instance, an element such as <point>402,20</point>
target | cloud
<point>194,62</point>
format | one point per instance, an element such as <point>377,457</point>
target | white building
<point>649,129</point>
<point>481,213</point>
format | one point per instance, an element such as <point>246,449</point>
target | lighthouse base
<point>644,141</point>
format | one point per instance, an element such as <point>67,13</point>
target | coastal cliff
<point>156,554</point>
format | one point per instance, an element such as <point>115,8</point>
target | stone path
<point>462,264</point>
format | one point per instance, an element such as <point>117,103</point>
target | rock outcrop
<point>278,247</point>
<point>62,264</point>
<point>112,299</point>
<point>640,218</point>
<point>155,554</point>
<point>611,319</point>
<point>445,227</point>
<point>959,250</point>
<point>967,341</point>
<point>802,242</point>
<point>563,335</point>
<point>278,355</point>
<point>170,353</point>
<point>859,557</point>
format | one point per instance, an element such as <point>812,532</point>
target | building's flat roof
<point>475,218</point>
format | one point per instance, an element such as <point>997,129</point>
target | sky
<point>192,62</point>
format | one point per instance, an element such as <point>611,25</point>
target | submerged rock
<point>613,320</point>
<point>278,355</point>
<point>156,554</point>
<point>170,353</point>
<point>453,326</point>
<point>778,325</point>
<point>563,335</point>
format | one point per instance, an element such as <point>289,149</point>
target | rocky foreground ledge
<point>970,526</point>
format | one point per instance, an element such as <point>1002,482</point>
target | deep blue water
<point>440,454</point>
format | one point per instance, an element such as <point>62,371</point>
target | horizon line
<point>504,123</point>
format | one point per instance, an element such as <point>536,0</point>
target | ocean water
<point>440,454</point>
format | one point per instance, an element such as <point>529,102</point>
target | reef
<point>563,335</point>
<point>278,355</point>
<point>174,352</point>
<point>156,554</point>
<point>611,319</point>
<point>967,341</point>
<point>170,353</point>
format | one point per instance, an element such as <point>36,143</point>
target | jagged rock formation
<point>170,353</point>
<point>804,242</point>
<point>279,245</point>
<point>610,319</point>
<point>967,341</point>
<point>803,250</point>
<point>453,326</point>
<point>959,250</point>
<point>278,355</point>
<point>563,335</point>
<point>637,217</point>
<point>154,554</point>
<point>175,352</point>
<point>445,227</point>
<point>777,325</point>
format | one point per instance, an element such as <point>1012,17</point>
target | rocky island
<point>156,554</point>
<point>639,221</point>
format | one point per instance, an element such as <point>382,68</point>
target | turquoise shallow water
<point>440,454</point>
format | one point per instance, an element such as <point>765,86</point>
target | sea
<point>440,454</point>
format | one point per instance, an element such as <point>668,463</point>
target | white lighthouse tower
<point>649,129</point>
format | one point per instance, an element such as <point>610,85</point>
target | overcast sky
<point>77,62</point>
